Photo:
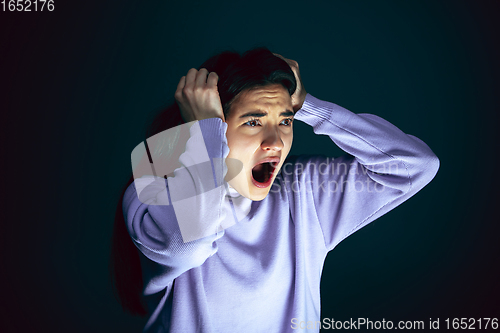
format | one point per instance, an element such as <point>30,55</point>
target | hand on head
<point>300,93</point>
<point>198,97</point>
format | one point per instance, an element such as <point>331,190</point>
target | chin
<point>253,194</point>
<point>250,191</point>
<point>258,196</point>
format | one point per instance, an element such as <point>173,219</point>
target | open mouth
<point>262,174</point>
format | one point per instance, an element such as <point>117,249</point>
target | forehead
<point>263,97</point>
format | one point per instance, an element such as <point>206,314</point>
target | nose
<point>272,141</point>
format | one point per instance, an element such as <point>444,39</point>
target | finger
<point>283,58</point>
<point>182,83</point>
<point>180,86</point>
<point>290,62</point>
<point>201,77</point>
<point>279,56</point>
<point>212,80</point>
<point>190,77</point>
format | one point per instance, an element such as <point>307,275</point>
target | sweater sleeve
<point>383,168</point>
<point>159,212</point>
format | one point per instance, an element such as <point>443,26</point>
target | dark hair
<point>237,73</point>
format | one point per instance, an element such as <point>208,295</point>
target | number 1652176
<point>27,5</point>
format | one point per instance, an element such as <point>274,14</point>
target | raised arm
<point>175,222</point>
<point>385,168</point>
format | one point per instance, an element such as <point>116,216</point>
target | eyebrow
<point>256,114</point>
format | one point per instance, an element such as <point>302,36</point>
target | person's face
<point>259,134</point>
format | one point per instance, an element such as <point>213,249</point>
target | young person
<point>272,221</point>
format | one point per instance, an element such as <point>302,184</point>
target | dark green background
<point>79,85</point>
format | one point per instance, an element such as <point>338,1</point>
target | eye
<point>287,122</point>
<point>252,123</point>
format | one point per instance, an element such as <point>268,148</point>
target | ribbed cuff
<point>214,133</point>
<point>315,111</point>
